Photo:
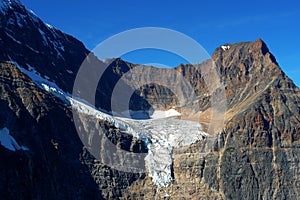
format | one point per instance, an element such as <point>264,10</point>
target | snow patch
<point>49,26</point>
<point>225,47</point>
<point>11,37</point>
<point>32,49</point>
<point>70,72</point>
<point>45,42</point>
<point>41,82</point>
<point>142,114</point>
<point>9,142</point>
<point>158,114</point>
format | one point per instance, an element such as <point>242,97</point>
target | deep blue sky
<point>211,23</point>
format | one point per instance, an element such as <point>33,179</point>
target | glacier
<point>161,133</point>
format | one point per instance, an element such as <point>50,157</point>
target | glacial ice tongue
<point>166,134</point>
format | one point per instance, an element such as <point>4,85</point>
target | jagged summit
<point>252,46</point>
<point>245,53</point>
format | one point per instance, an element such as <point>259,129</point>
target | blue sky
<point>211,23</point>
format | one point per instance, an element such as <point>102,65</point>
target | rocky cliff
<point>256,155</point>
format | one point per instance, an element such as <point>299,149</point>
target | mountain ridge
<point>254,156</point>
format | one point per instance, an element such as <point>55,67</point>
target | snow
<point>32,49</point>
<point>89,110</point>
<point>33,16</point>
<point>70,72</point>
<point>20,19</point>
<point>31,11</point>
<point>41,82</point>
<point>9,142</point>
<point>52,90</point>
<point>45,42</point>
<point>142,114</point>
<point>49,26</point>
<point>132,114</point>
<point>225,47</point>
<point>15,40</point>
<point>158,114</point>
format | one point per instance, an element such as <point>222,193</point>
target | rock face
<point>255,156</point>
<point>46,169</point>
<point>55,164</point>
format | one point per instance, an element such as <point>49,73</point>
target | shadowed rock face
<point>35,119</point>
<point>55,166</point>
<point>256,155</point>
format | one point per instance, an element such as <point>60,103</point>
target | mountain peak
<point>240,50</point>
<point>261,45</point>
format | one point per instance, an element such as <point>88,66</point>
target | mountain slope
<point>43,169</point>
<point>255,156</point>
<point>52,163</point>
<point>28,41</point>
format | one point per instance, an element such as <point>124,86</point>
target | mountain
<point>43,155</point>
<point>53,163</point>
<point>256,154</point>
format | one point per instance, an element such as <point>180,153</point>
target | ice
<point>164,131</point>
<point>166,134</point>
<point>9,142</point>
